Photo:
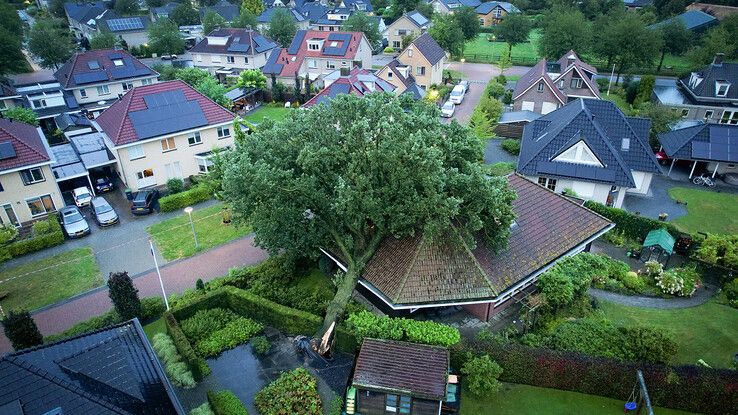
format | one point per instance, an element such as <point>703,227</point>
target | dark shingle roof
<point>359,82</point>
<point>534,75</point>
<point>432,51</point>
<point>26,142</point>
<point>267,15</point>
<point>109,371</point>
<point>82,12</point>
<point>713,142</point>
<point>226,10</point>
<point>418,370</point>
<point>313,11</point>
<point>240,42</point>
<point>96,66</point>
<point>487,7</point>
<point>726,71</point>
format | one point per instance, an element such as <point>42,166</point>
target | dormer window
<point>694,79</point>
<point>625,144</point>
<point>576,83</point>
<point>315,44</point>
<point>721,88</point>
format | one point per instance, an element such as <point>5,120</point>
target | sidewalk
<point>177,275</point>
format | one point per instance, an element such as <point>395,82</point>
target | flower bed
<point>294,393</point>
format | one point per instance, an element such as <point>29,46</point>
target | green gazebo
<point>658,246</point>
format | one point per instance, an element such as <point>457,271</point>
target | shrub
<point>480,375</point>
<point>634,282</point>
<point>294,393</point>
<point>176,369</point>
<point>389,49</point>
<point>41,227</point>
<point>152,308</point>
<point>602,83</point>
<point>593,337</point>
<point>261,345</point>
<point>205,322</point>
<point>512,146</point>
<point>199,285</point>
<point>557,288</point>
<point>670,282</point>
<point>336,406</point>
<point>632,226</point>
<point>501,79</point>
<point>648,344</point>
<point>495,90</point>
<point>181,200</point>
<point>175,186</point>
<point>720,250</point>
<point>237,331</point>
<point>226,403</point>
<point>691,280</point>
<point>653,269</point>
<point>8,233</point>
<point>52,237</point>
<point>21,330</point>
<point>124,295</point>
<point>367,324</point>
<point>731,290</point>
<point>203,409</point>
<point>197,365</point>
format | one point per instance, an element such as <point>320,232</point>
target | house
<point>82,17</point>
<point>448,6</point>
<point>226,52</point>
<point>411,273</point>
<point>426,59</point>
<point>131,30</point>
<point>357,5</point>
<point>333,20</point>
<point>718,10</point>
<point>491,13</point>
<point>710,95</point>
<point>694,20</point>
<point>411,24</point>
<point>109,371</point>
<point>398,377</point>
<point>314,54</point>
<point>265,18</point>
<point>90,19</point>
<point>591,148</point>
<point>163,131</point>
<point>358,82</point>
<point>550,85</point>
<point>401,77</point>
<point>27,187</point>
<point>163,11</point>
<point>41,92</point>
<point>228,11</point>
<point>637,4</point>
<point>715,146</point>
<point>312,11</point>
<point>97,77</point>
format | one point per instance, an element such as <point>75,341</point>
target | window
<point>224,132</point>
<point>147,81</point>
<point>245,59</point>
<point>396,44</point>
<point>729,117</point>
<point>39,103</point>
<point>174,170</point>
<point>708,114</point>
<point>409,53</point>
<point>312,63</point>
<point>625,144</point>
<point>203,164</point>
<point>420,70</point>
<point>685,112</point>
<point>540,86</point>
<point>83,93</point>
<point>721,88</point>
<point>167,144</point>
<point>136,152</point>
<point>118,62</point>
<point>231,59</point>
<point>390,404</point>
<point>405,403</point>
<point>481,21</point>
<point>344,64</point>
<point>194,139</point>
<point>330,65</point>
<point>40,205</point>
<point>11,214</point>
<point>401,32</point>
<point>103,90</point>
<point>498,13</point>
<point>314,45</point>
<point>389,74</point>
<point>127,86</point>
<point>548,183</point>
<point>145,178</point>
<point>32,176</point>
<point>1,188</point>
<point>576,83</point>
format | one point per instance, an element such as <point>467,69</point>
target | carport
<point>714,144</point>
<point>74,161</point>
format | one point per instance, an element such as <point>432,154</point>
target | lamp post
<point>189,210</point>
<point>462,66</point>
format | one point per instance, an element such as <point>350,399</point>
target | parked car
<point>82,196</point>
<point>103,184</point>
<point>143,202</point>
<point>103,213</point>
<point>465,84</point>
<point>73,223</point>
<point>457,94</point>
<point>447,110</point>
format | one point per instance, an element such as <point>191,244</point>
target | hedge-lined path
<point>177,275</point>
<point>701,296</point>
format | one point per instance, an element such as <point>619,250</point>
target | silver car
<point>103,213</point>
<point>75,225</point>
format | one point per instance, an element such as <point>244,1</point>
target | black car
<point>143,202</point>
<point>103,184</point>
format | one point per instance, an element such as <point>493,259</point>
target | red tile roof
<point>116,122</point>
<point>291,62</point>
<point>27,143</point>
<point>79,64</point>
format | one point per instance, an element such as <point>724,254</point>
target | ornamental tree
<point>255,7</point>
<point>361,22</point>
<point>282,28</point>
<point>164,37</point>
<point>514,29</point>
<point>124,295</point>
<point>104,40</point>
<point>211,21</point>
<point>51,42</point>
<point>347,174</point>
<point>21,330</point>
<point>252,78</point>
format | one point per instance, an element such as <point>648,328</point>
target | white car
<point>82,196</point>
<point>447,110</point>
<point>457,94</point>
<point>465,84</point>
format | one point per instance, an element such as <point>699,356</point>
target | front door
<point>11,214</point>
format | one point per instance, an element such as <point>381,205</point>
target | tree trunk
<point>342,297</point>
<point>661,61</point>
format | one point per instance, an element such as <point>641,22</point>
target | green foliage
<point>623,39</point>
<point>645,89</point>
<point>199,285</point>
<point>481,375</point>
<point>252,78</point>
<point>255,7</point>
<point>164,36</point>
<point>50,42</point>
<point>731,291</point>
<point>589,336</point>
<point>662,119</point>
<point>203,409</point>
<point>124,295</point>
<point>214,90</point>
<point>21,330</point>
<point>557,288</point>
<point>126,7</point>
<point>448,34</point>
<point>720,250</point>
<point>480,124</point>
<point>9,232</point>
<point>205,322</point>
<point>282,28</point>
<point>361,22</point>
<point>511,145</point>
<point>196,364</point>
<point>389,49</point>
<point>336,406</point>
<point>177,370</point>
<point>294,393</point>
<point>235,332</point>
<point>675,39</point>
<point>495,90</point>
<point>175,185</point>
<point>226,403</point>
<point>261,345</point>
<point>41,227</point>
<point>184,15</point>
<point>104,40</point>
<point>366,324</point>
<point>22,114</point>
<point>648,344</point>
<point>634,227</point>
<point>191,76</point>
<point>500,169</point>
<point>190,197</point>
<point>245,19</point>
<point>720,39</point>
<point>12,59</point>
<point>564,29</point>
<point>515,29</point>
<point>634,282</point>
<point>211,21</point>
<point>53,237</point>
<point>468,21</point>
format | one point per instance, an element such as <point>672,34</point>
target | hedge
<point>181,200</point>
<point>226,403</point>
<point>53,237</point>
<point>689,388</point>
<point>632,226</point>
<point>197,364</point>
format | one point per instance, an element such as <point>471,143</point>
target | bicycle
<point>704,181</point>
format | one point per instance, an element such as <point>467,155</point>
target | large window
<point>721,88</point>
<point>32,176</point>
<point>729,117</point>
<point>231,59</point>
<point>174,170</point>
<point>405,404</point>
<point>576,83</point>
<point>40,205</point>
<point>224,132</point>
<point>194,139</point>
<point>540,86</point>
<point>390,404</point>
<point>312,63</point>
<point>547,183</point>
<point>103,90</point>
<point>127,86</point>
<point>136,152</point>
<point>204,164</point>
<point>167,144</point>
<point>11,214</point>
<point>420,70</point>
<point>147,81</point>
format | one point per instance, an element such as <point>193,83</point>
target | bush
<point>294,393</point>
<point>731,290</point>
<point>495,90</point>
<point>21,330</point>
<point>602,83</point>
<point>203,409</point>
<point>670,282</point>
<point>205,322</point>
<point>633,281</point>
<point>720,250</point>
<point>7,233</point>
<point>632,226</point>
<point>480,376</point>
<point>389,49</point>
<point>237,331</point>
<point>176,369</point>
<point>336,406</point>
<point>500,169</point>
<point>226,403</point>
<point>557,288</point>
<point>41,227</point>
<point>52,236</point>
<point>589,336</point>
<point>366,324</point>
<point>175,186</point>
<point>648,344</point>
<point>512,146</point>
<point>181,200</point>
<point>197,365</point>
<point>124,295</point>
<point>261,345</point>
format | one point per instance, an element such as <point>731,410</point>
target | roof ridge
<point>595,122</point>
<point>468,250</point>
<point>406,274</point>
<point>32,148</point>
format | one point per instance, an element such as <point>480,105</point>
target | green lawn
<point>274,113</point>
<point>705,332</point>
<point>174,238</point>
<point>707,211</point>
<point>156,326</point>
<point>482,50</point>
<point>514,399</point>
<point>318,283</point>
<point>618,100</point>
<point>50,280</point>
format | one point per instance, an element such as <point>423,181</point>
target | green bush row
<point>226,403</point>
<point>512,146</point>
<point>51,235</point>
<point>181,200</point>
<point>197,364</point>
<point>632,226</point>
<point>204,322</point>
<point>177,370</point>
<point>366,324</point>
<point>237,331</point>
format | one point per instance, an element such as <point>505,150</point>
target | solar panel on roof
<point>90,77</point>
<point>127,23</point>
<point>115,56</point>
<point>345,37</point>
<point>161,99</point>
<point>93,65</point>
<point>239,47</point>
<point>6,150</point>
<point>167,118</point>
<point>296,42</point>
<point>123,72</point>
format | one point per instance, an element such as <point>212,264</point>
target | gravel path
<point>701,296</point>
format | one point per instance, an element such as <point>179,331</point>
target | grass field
<point>514,399</point>
<point>57,278</point>
<point>707,211</point>
<point>705,332</point>
<point>274,113</point>
<point>174,238</point>
<point>156,326</point>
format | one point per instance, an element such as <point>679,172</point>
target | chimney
<point>718,61</point>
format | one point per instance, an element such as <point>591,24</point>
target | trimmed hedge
<point>689,388</point>
<point>53,237</point>
<point>632,226</point>
<point>226,403</point>
<point>197,365</point>
<point>181,200</point>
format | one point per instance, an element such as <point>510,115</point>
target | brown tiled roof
<point>26,142</point>
<point>416,370</point>
<point>415,270</point>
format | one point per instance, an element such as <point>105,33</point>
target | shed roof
<point>660,237</point>
<point>708,142</point>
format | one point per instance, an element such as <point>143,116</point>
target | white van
<point>457,94</point>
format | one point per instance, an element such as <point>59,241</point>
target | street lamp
<point>188,210</point>
<point>462,66</point>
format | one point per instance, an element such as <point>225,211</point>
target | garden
<point>707,211</point>
<point>275,112</point>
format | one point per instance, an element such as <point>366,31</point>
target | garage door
<point>548,107</point>
<point>528,105</point>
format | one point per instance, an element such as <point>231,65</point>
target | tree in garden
<point>12,59</point>
<point>56,8</point>
<point>252,78</point>
<point>480,124</point>
<point>22,114</point>
<point>282,28</point>
<point>245,19</point>
<point>557,288</point>
<point>10,21</point>
<point>720,39</point>
<point>468,20</point>
<point>164,37</point>
<point>481,374</point>
<point>214,90</point>
<point>505,61</point>
<point>676,39</point>
<point>626,42</point>
<point>361,22</point>
<point>126,7</point>
<point>50,42</point>
<point>394,170</point>
<point>184,15</point>
<point>563,29</point>
<point>254,7</point>
<point>124,295</point>
<point>426,9</point>
<point>211,21</point>
<point>21,330</point>
<point>448,34</point>
<point>662,118</point>
<point>104,40</point>
<point>192,76</point>
<point>514,29</point>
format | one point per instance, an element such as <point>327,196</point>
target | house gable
<point>579,153</point>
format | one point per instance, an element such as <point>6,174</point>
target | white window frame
<point>194,139</point>
<point>15,223</point>
<point>41,199</point>
<point>312,64</point>
<point>420,70</point>
<point>83,93</point>
<point>168,144</point>
<point>718,86</point>
<point>540,86</point>
<point>118,62</point>
<point>147,81</point>
<point>103,90</point>
<point>396,44</point>
<point>547,182</point>
<point>136,152</point>
<point>729,117</point>
<point>224,132</point>
<point>576,83</point>
<point>708,115</point>
<point>127,86</point>
<point>230,59</point>
<point>31,176</point>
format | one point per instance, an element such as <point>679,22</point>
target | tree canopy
<point>720,39</point>
<point>184,15</point>
<point>211,21</point>
<point>675,39</point>
<point>252,78</point>
<point>623,39</point>
<point>164,37</point>
<point>104,40</point>
<point>361,22</point>
<point>468,21</point>
<point>126,7</point>
<point>282,28</point>
<point>254,7</point>
<point>211,88</point>
<point>22,114</point>
<point>245,19</point>
<point>50,42</point>
<point>347,174</point>
<point>564,29</point>
<point>448,34</point>
<point>514,29</point>
<point>192,76</point>
<point>12,59</point>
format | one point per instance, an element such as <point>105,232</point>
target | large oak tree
<point>347,174</point>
